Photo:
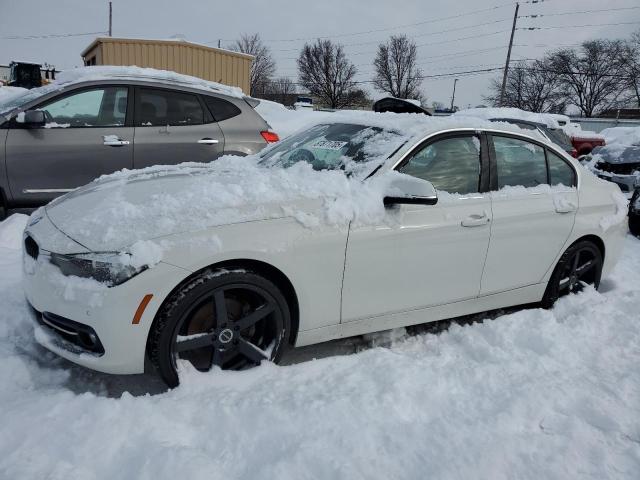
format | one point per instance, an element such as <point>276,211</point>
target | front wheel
<point>232,319</point>
<point>580,265</point>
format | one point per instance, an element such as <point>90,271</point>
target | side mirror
<point>405,189</point>
<point>31,118</point>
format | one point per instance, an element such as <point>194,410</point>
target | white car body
<point>348,279</point>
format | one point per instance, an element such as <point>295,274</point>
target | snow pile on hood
<point>514,113</point>
<point>622,135</point>
<point>129,207</point>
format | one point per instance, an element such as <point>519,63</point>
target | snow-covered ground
<point>524,394</point>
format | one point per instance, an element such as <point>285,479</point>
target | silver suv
<point>59,137</point>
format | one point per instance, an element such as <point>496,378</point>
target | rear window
<point>557,136</point>
<point>221,109</point>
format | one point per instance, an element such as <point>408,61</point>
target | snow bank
<point>11,231</point>
<point>285,121</point>
<point>529,394</point>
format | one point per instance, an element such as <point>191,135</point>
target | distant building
<point>623,113</point>
<point>208,63</point>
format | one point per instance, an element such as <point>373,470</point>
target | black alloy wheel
<point>579,266</point>
<point>228,319</point>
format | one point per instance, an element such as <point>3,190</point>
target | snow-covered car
<point>547,123</point>
<point>361,224</point>
<point>617,163</point>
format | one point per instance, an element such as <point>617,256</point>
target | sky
<point>453,36</point>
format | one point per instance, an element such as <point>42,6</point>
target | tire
<point>581,263</point>
<point>252,324</point>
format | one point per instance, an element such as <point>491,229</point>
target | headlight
<point>108,268</point>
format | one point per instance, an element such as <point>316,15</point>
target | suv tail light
<point>270,137</point>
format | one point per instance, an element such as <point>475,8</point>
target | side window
<point>519,162</point>
<point>164,107</point>
<point>560,172</point>
<point>451,164</point>
<point>101,107</point>
<point>221,109</point>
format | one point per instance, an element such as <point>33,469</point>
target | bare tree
<point>280,90</point>
<point>263,66</point>
<point>592,77</point>
<point>324,70</point>
<point>533,87</point>
<point>396,70</point>
<point>631,67</point>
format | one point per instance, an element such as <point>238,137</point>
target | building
<point>214,64</point>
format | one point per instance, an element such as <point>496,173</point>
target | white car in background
<point>367,223</point>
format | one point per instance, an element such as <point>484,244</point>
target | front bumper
<point>94,307</point>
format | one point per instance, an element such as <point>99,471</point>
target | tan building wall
<point>217,65</point>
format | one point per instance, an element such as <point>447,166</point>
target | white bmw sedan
<point>366,223</point>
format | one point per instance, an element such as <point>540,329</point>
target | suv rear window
<point>221,109</point>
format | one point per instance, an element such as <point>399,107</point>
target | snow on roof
<point>285,122</point>
<point>83,74</point>
<point>514,113</point>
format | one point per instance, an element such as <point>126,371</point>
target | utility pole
<point>506,65</point>
<point>110,18</point>
<point>453,97</point>
<point>218,43</point>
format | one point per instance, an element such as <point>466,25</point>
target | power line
<point>428,34</point>
<point>552,27</point>
<point>578,12</point>
<point>425,22</point>
<point>51,35</point>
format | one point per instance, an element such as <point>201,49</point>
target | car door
<point>531,219</point>
<point>174,127</point>
<point>86,134</point>
<point>435,253</point>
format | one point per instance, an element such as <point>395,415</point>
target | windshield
<point>335,146</point>
<point>16,100</point>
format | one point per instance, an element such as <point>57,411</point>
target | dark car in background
<point>56,138</point>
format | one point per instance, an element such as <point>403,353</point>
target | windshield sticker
<point>328,144</point>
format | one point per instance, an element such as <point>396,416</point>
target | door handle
<point>475,220</point>
<point>208,141</point>
<point>114,141</point>
<point>564,206</point>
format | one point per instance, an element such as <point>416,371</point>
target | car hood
<point>616,153</point>
<point>116,211</point>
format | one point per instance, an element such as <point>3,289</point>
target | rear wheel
<point>580,265</point>
<point>232,319</point>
